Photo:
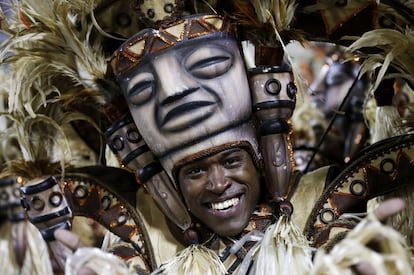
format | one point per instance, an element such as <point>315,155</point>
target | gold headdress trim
<point>151,41</point>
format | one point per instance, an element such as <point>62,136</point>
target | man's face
<point>188,92</point>
<point>221,190</point>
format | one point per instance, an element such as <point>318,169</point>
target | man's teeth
<point>225,204</point>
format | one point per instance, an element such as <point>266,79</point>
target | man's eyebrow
<point>230,151</point>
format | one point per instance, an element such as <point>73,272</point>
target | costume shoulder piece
<point>51,203</point>
<point>380,169</point>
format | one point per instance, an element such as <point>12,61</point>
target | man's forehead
<point>216,156</point>
<point>222,154</point>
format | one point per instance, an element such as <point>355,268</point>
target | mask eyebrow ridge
<point>208,61</point>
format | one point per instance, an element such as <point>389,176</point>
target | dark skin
<point>221,190</point>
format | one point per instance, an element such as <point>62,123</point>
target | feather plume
<point>395,49</point>
<point>56,47</point>
<point>194,260</point>
<point>51,64</point>
<point>262,19</point>
<point>391,255</point>
<point>283,250</point>
<point>42,142</point>
<point>268,23</point>
<point>388,123</point>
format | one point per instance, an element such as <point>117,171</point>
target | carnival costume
<point>178,92</point>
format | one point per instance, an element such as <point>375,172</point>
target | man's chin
<point>230,230</point>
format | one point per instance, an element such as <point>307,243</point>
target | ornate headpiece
<point>199,139</point>
<point>151,41</point>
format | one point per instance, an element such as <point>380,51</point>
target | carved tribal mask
<point>187,89</point>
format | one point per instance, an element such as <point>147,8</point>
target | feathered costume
<point>58,55</point>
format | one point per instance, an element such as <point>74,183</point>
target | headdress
<point>173,149</point>
<point>149,42</point>
<point>64,34</point>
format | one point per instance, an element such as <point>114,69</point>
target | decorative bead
<point>168,8</point>
<point>191,236</point>
<point>357,188</point>
<point>55,199</point>
<point>285,208</point>
<point>37,203</point>
<point>273,86</point>
<point>388,166</point>
<point>151,13</point>
<point>327,215</point>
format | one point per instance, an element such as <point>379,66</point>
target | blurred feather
<point>263,19</point>
<point>51,65</point>
<point>55,46</point>
<point>194,260</point>
<point>390,256</point>
<point>395,50</point>
<point>393,58</point>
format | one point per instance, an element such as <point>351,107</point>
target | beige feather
<point>395,50</point>
<point>50,62</point>
<point>194,260</point>
<point>391,255</point>
<point>52,46</point>
<point>283,250</point>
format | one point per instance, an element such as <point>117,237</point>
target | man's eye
<point>233,162</point>
<point>211,67</point>
<point>141,92</point>
<point>193,172</point>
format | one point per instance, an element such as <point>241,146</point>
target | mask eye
<point>141,92</point>
<point>142,89</point>
<point>232,161</point>
<point>207,63</point>
<point>211,67</point>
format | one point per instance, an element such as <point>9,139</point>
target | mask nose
<point>173,81</point>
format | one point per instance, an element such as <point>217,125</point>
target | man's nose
<point>173,80</point>
<point>217,181</point>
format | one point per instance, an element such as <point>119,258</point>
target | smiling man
<point>187,89</point>
<point>221,190</point>
<point>188,92</point>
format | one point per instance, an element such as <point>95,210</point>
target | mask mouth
<point>187,114</point>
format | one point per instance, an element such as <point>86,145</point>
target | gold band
<point>151,41</point>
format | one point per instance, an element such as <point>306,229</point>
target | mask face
<point>184,94</point>
<point>221,190</point>
<point>337,83</point>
